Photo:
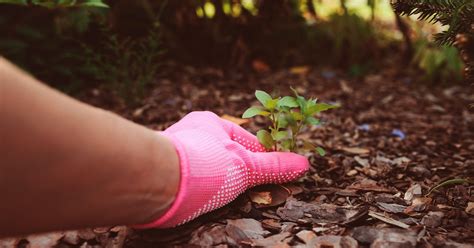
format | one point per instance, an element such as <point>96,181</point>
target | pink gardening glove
<point>219,160</point>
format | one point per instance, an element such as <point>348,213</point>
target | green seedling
<point>288,116</point>
<point>455,181</point>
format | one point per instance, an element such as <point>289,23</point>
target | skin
<point>68,165</point>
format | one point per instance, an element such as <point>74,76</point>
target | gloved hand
<point>219,160</point>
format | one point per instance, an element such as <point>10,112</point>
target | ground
<point>390,142</point>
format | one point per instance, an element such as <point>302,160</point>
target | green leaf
<point>253,111</point>
<point>454,181</point>
<point>299,99</point>
<point>19,2</point>
<point>265,139</point>
<point>301,102</point>
<point>280,135</point>
<point>310,104</point>
<point>271,104</point>
<point>288,101</point>
<point>297,116</point>
<point>65,3</point>
<point>286,144</point>
<point>319,107</point>
<point>282,121</point>
<point>320,151</point>
<point>262,96</point>
<point>94,3</point>
<point>312,121</point>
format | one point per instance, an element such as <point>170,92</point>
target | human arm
<point>67,165</point>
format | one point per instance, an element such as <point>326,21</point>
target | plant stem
<point>275,128</point>
<point>293,136</point>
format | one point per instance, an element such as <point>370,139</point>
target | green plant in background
<point>45,42</point>
<point>58,3</point>
<point>457,15</point>
<point>126,66</point>
<point>440,63</point>
<point>288,115</point>
<point>353,41</point>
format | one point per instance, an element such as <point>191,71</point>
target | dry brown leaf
<point>369,185</point>
<point>271,224</point>
<point>356,150</point>
<point>414,190</point>
<point>268,195</point>
<point>391,207</point>
<point>9,242</point>
<point>388,220</point>
<point>470,208</point>
<point>263,198</point>
<point>418,204</point>
<point>294,189</point>
<point>210,236</point>
<point>272,241</point>
<point>245,229</point>
<point>299,70</point>
<point>333,241</point>
<point>433,219</point>
<point>385,237</point>
<point>71,237</point>
<point>44,240</point>
<point>306,236</point>
<point>260,66</point>
<point>236,120</point>
<point>362,161</point>
<point>295,210</point>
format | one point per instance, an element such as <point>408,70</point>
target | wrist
<point>167,176</point>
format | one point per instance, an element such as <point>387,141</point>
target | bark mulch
<point>391,142</point>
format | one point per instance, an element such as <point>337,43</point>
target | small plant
<point>455,181</point>
<point>288,115</point>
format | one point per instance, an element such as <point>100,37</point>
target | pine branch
<point>457,14</point>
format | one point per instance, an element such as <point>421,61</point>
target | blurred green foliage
<point>439,64</point>
<point>51,49</point>
<point>127,65</point>
<point>58,3</point>
<point>456,15</point>
<point>120,43</point>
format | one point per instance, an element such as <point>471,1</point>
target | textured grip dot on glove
<point>218,161</point>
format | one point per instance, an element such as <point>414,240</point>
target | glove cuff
<point>162,222</point>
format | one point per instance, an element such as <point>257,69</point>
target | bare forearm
<point>66,164</point>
